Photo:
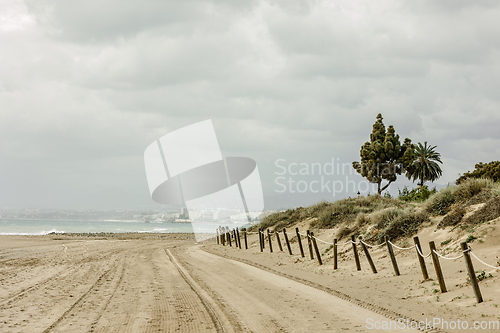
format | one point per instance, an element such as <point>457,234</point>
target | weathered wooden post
<point>320,262</point>
<point>309,244</point>
<point>420,258</point>
<point>287,242</point>
<point>470,270</point>
<point>437,267</point>
<point>278,239</point>
<point>300,242</point>
<point>356,256</point>
<point>235,239</point>
<point>245,238</point>
<point>335,253</point>
<point>270,243</point>
<point>393,257</point>
<point>229,238</point>
<point>239,239</point>
<point>368,256</point>
<point>263,239</point>
<point>217,235</point>
<point>260,240</point>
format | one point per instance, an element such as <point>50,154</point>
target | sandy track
<point>265,302</point>
<point>148,285</point>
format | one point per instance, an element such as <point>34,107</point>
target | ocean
<point>43,227</point>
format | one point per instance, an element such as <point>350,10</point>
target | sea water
<point>43,227</point>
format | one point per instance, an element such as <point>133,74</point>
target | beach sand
<point>170,283</point>
<point>407,295</point>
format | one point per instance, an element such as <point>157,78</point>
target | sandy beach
<point>153,283</point>
<point>170,283</point>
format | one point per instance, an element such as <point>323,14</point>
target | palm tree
<point>424,166</point>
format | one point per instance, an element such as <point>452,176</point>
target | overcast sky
<point>86,86</point>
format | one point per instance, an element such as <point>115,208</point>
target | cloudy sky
<point>86,86</point>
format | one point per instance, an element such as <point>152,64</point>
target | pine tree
<point>383,157</point>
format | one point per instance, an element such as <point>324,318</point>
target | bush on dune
<point>490,211</point>
<point>472,187</point>
<point>381,218</point>
<point>440,203</point>
<point>347,210</point>
<point>405,224</point>
<point>452,218</point>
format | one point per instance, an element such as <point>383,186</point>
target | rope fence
<point>225,236</point>
<point>401,248</point>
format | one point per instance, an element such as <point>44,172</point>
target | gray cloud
<point>85,87</point>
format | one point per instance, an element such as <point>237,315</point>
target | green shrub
<point>446,241</point>
<point>347,210</point>
<point>404,224</point>
<point>384,217</point>
<point>472,187</point>
<point>489,170</point>
<point>481,276</point>
<point>280,220</point>
<point>470,239</point>
<point>416,194</point>
<point>440,202</point>
<point>326,219</point>
<point>361,220</point>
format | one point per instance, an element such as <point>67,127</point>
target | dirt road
<point>149,285</point>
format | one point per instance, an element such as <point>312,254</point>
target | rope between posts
<point>379,245</point>
<point>447,257</point>
<point>401,248</point>
<point>345,243</point>
<point>322,241</point>
<point>495,267</point>
<point>420,253</point>
<point>302,234</point>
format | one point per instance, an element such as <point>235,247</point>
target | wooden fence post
<point>437,267</point>
<point>263,239</point>
<point>217,235</point>
<point>368,256</point>
<point>287,242</point>
<point>234,237</point>
<point>309,244</point>
<point>278,239</point>
<point>229,238</point>
<point>420,258</point>
<point>393,257</point>
<point>239,239</point>
<point>270,243</point>
<point>300,242</point>
<point>320,262</point>
<point>245,237</point>
<point>356,256</point>
<point>335,253</point>
<point>470,270</point>
<point>260,240</point>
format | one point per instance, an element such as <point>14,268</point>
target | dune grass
<point>376,216</point>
